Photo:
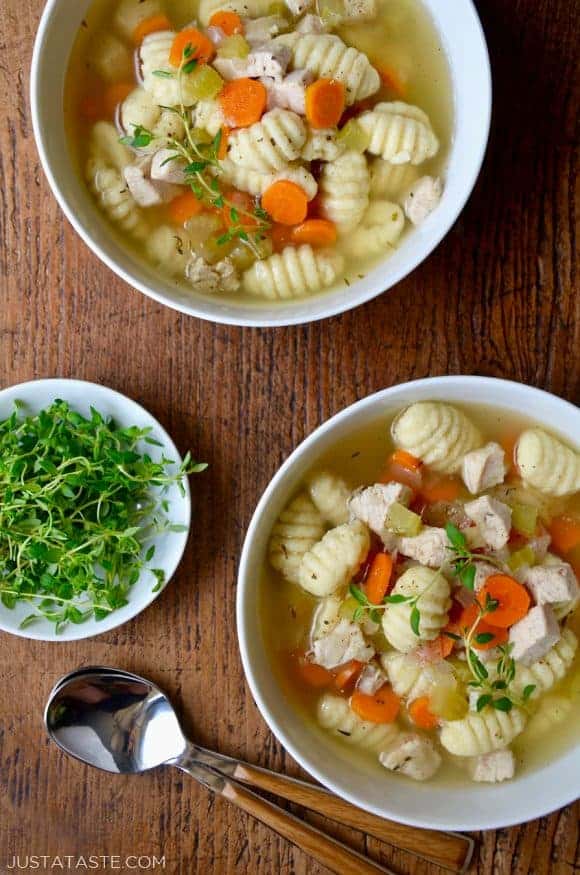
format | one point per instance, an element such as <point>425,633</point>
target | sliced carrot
<point>150,25</point>
<point>392,80</point>
<point>406,460</point>
<point>316,232</point>
<point>347,675</point>
<point>436,488</point>
<point>92,107</point>
<point>565,532</point>
<point>440,648</point>
<point>513,600</point>
<point>116,94</point>
<point>223,147</point>
<point>286,202</point>
<point>243,102</point>
<point>468,618</point>
<point>383,707</point>
<point>421,714</point>
<point>407,476</point>
<point>189,45</point>
<point>243,203</point>
<point>281,237</point>
<point>183,207</point>
<point>314,675</point>
<point>325,102</point>
<point>229,22</point>
<point>379,578</point>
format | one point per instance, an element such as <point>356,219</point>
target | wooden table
<point>498,297</point>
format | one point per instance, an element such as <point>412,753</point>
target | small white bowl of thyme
<point>94,509</point>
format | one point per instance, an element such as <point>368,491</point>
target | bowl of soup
<point>408,603</point>
<point>258,163</point>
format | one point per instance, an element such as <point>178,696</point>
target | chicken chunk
<point>484,468</point>
<point>290,93</point>
<point>493,519</point>
<point>260,30</point>
<point>552,583</point>
<point>540,545</point>
<point>311,24</point>
<point>412,755</point>
<point>533,636</point>
<point>145,191</point>
<point>371,505</point>
<point>297,7</point>
<point>268,59</point>
<point>342,643</point>
<point>430,547</point>
<point>210,278</point>
<point>216,35</point>
<point>483,570</point>
<point>491,768</point>
<point>167,166</point>
<point>423,197</point>
<point>371,679</point>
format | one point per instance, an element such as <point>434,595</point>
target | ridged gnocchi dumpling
<point>112,194</point>
<point>437,433</point>
<point>293,273</point>
<point>297,529</point>
<point>111,58</point>
<point>547,464</point>
<point>104,146</point>
<point>130,13</point>
<point>344,188</point>
<point>327,57</point>
<point>168,250</point>
<point>256,183</point>
<point>270,144</point>
<point>331,563</point>
<point>399,133</point>
<point>139,109</point>
<point>378,232</point>
<point>170,89</point>
<point>391,181</point>
<point>335,715</point>
<point>208,115</point>
<point>481,733</point>
<point>433,605</point>
<point>321,145</point>
<point>330,495</point>
<point>546,672</point>
<point>410,678</point>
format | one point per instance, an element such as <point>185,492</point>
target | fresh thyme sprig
<point>203,167</point>
<point>80,500</point>
<point>463,559</point>
<point>396,599</point>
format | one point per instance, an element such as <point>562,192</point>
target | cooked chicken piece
<point>260,30</point>
<point>269,60</point>
<point>371,679</point>
<point>552,583</point>
<point>540,545</point>
<point>430,547</point>
<point>483,570</point>
<point>290,93</point>
<point>484,468</point>
<point>423,197</point>
<point>499,765</point>
<point>533,636</point>
<point>342,643</point>
<point>145,191</point>
<point>412,755</point>
<point>297,7</point>
<point>371,505</point>
<point>311,24</point>
<point>210,278</point>
<point>493,519</point>
<point>216,35</point>
<point>167,166</point>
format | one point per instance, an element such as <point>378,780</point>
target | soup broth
<point>240,233</point>
<point>291,615</point>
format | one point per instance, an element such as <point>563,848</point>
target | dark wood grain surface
<point>499,296</point>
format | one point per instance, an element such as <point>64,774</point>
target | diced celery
<point>205,83</point>
<point>234,47</point>
<point>402,521</point>
<point>353,137</point>
<point>525,556</point>
<point>525,519</point>
<point>348,607</point>
<point>448,703</point>
<point>460,668</point>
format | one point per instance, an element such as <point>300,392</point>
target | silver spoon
<point>123,723</point>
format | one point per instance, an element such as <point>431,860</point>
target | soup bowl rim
<point>468,806</point>
<point>72,195</point>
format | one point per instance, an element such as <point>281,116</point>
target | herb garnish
<point>79,502</point>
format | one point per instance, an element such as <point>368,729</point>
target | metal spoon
<point>122,723</point>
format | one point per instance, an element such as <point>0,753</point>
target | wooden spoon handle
<point>449,850</point>
<point>330,853</point>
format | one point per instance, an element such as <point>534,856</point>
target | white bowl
<point>536,791</point>
<point>464,43</point>
<point>169,546</point>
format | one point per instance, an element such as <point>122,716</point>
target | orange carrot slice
<point>325,102</point>
<point>383,707</point>
<point>565,532</point>
<point>347,675</point>
<point>421,714</point>
<point>150,25</point>
<point>229,22</point>
<point>436,488</point>
<point>440,648</point>
<point>316,232</point>
<point>513,600</point>
<point>406,460</point>
<point>243,102</point>
<point>314,675</point>
<point>379,578</point>
<point>493,635</point>
<point>191,44</point>
<point>183,207</point>
<point>286,202</point>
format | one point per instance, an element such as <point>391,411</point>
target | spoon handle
<point>449,850</point>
